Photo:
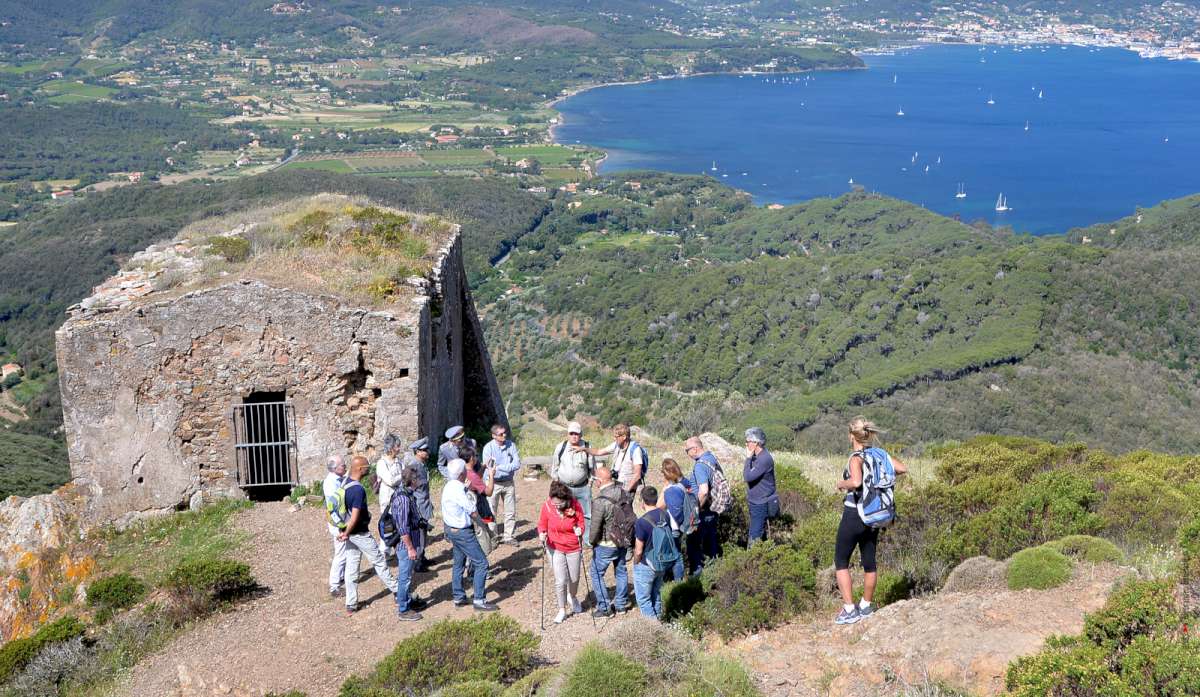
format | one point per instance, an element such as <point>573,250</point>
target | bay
<point>1108,131</point>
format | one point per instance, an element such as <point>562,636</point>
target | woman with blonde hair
<point>852,531</point>
<point>672,498</point>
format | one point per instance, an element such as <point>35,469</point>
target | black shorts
<point>852,532</point>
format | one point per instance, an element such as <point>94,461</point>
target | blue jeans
<point>703,544</point>
<point>404,574</point>
<point>647,588</point>
<point>759,513</point>
<point>677,572</point>
<point>602,557</point>
<point>583,494</point>
<point>466,548</point>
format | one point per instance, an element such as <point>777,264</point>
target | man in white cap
<point>456,439</point>
<point>573,465</point>
<point>459,516</point>
<point>336,466</point>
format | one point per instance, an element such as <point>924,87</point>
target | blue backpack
<point>663,553</point>
<point>877,502</point>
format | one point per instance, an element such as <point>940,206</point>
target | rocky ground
<point>963,640</point>
<point>297,637</point>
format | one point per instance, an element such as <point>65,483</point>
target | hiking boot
<point>485,606</point>
<point>562,615</point>
<point>460,602</point>
<point>845,617</point>
<point>576,606</point>
<point>417,604</point>
<point>865,612</point>
<point>604,612</point>
<point>409,616</point>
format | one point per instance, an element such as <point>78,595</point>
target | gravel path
<point>297,637</point>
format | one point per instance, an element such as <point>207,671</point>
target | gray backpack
<point>571,469</point>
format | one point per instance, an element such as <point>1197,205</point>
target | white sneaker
<point>575,605</point>
<point>562,615</point>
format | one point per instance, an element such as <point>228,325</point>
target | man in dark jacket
<point>605,550</point>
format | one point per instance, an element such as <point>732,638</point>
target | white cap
<point>456,467</point>
<point>574,427</point>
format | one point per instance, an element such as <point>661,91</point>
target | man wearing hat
<point>417,460</point>
<point>456,439</point>
<point>759,473</point>
<point>573,465</point>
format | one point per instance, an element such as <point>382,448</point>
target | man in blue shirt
<point>702,544</point>
<point>503,453</point>
<point>759,473</point>
<point>357,535</point>
<point>647,576</point>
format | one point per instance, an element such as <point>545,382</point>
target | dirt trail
<point>297,637</point>
<point>965,640</point>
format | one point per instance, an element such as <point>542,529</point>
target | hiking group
<point>590,507</point>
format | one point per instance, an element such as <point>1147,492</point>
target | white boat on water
<point>991,101</point>
<point>1002,204</point>
<point>895,78</point>
<point>851,181</point>
<point>1040,94</point>
<point>1026,125</point>
<point>714,167</point>
<point>900,112</point>
<point>962,191</point>
<point>926,169</point>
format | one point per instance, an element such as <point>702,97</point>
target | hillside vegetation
<point>678,302</point>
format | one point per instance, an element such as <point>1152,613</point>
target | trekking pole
<point>542,611</point>
<point>587,579</point>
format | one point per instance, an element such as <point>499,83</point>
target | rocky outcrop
<point>35,536</point>
<point>963,640</point>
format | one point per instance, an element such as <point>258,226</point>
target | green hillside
<point>796,318</point>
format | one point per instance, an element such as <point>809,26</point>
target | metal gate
<point>265,444</point>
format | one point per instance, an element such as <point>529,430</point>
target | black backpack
<point>620,528</point>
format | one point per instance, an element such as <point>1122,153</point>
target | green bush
<point>17,653</point>
<point>596,672</point>
<point>471,688</point>
<point>1088,548</point>
<point>231,249</point>
<point>1189,545</point>
<point>529,685</point>
<point>1134,609</point>
<point>1065,667</point>
<point>215,580</point>
<point>751,589</point>
<point>492,648</point>
<point>678,597</point>
<point>1038,568</point>
<point>1163,667</point>
<point>891,588</point>
<point>717,676</point>
<point>115,592</point>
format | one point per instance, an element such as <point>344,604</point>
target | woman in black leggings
<point>852,531</point>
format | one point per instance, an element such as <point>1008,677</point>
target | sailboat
<point>895,78</point>
<point>990,100</point>
<point>939,161</point>
<point>851,181</point>
<point>714,167</point>
<point>1001,204</point>
<point>962,192</point>
<point>901,112</point>
<point>1026,125</point>
<point>1040,94</point>
<point>926,169</point>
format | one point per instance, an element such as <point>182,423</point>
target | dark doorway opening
<point>264,441</point>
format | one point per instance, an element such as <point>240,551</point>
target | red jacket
<point>559,528</point>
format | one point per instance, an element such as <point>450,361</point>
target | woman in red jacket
<point>560,526</point>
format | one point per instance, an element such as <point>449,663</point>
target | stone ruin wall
<point>148,388</point>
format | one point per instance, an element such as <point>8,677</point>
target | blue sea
<point>1107,131</point>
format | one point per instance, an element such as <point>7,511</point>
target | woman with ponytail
<point>852,531</point>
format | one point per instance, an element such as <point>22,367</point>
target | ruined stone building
<point>235,358</point>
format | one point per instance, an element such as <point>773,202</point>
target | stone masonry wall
<point>148,387</point>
